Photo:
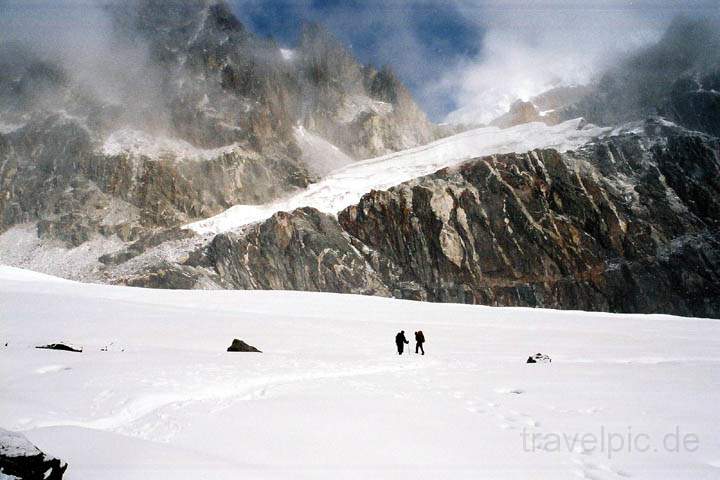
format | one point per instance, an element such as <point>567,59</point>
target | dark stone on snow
<point>21,459</point>
<point>539,358</point>
<point>240,346</point>
<point>60,346</point>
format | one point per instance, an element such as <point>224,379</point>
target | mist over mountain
<point>530,48</point>
<point>191,69</point>
<point>676,77</point>
<point>217,215</point>
<point>124,117</point>
<point>167,144</point>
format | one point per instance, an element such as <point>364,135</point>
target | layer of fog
<point>94,63</point>
<point>521,47</point>
<point>531,48</point>
<point>524,47</point>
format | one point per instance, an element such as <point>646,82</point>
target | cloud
<point>527,52</point>
<point>464,60</point>
<point>78,36</point>
<point>419,39</point>
<point>477,56</point>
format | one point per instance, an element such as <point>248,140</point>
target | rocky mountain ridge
<point>628,223</point>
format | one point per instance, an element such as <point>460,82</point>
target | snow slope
<point>20,246</point>
<point>136,142</point>
<point>346,186</point>
<point>329,397</point>
<point>320,156</point>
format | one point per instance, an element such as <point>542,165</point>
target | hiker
<point>419,340</point>
<point>400,341</point>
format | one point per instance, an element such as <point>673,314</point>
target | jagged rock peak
<point>384,85</point>
<point>326,60</point>
<point>177,25</point>
<point>184,113</point>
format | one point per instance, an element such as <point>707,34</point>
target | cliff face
<point>611,227</point>
<point>626,224</point>
<point>52,173</point>
<point>205,117</point>
<point>304,249</point>
<point>371,114</point>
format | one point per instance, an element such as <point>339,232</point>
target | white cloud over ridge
<point>464,60</point>
<point>467,60</point>
<point>529,50</point>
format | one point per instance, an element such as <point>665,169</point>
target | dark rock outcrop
<point>240,346</point>
<point>60,346</point>
<point>538,358</point>
<point>21,459</point>
<point>627,224</point>
<point>301,250</point>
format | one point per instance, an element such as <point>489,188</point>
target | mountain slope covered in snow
<point>345,186</point>
<point>621,220</point>
<point>222,161</point>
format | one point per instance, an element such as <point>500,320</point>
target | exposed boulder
<point>539,358</point>
<point>240,346</point>
<point>21,459</point>
<point>61,346</point>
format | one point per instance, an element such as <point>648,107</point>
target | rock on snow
<point>21,459</point>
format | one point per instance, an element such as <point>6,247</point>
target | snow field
<point>330,398</point>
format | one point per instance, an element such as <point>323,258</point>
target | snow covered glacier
<point>344,186</point>
<point>155,395</point>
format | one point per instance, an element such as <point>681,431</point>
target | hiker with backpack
<point>401,341</point>
<point>419,340</point>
